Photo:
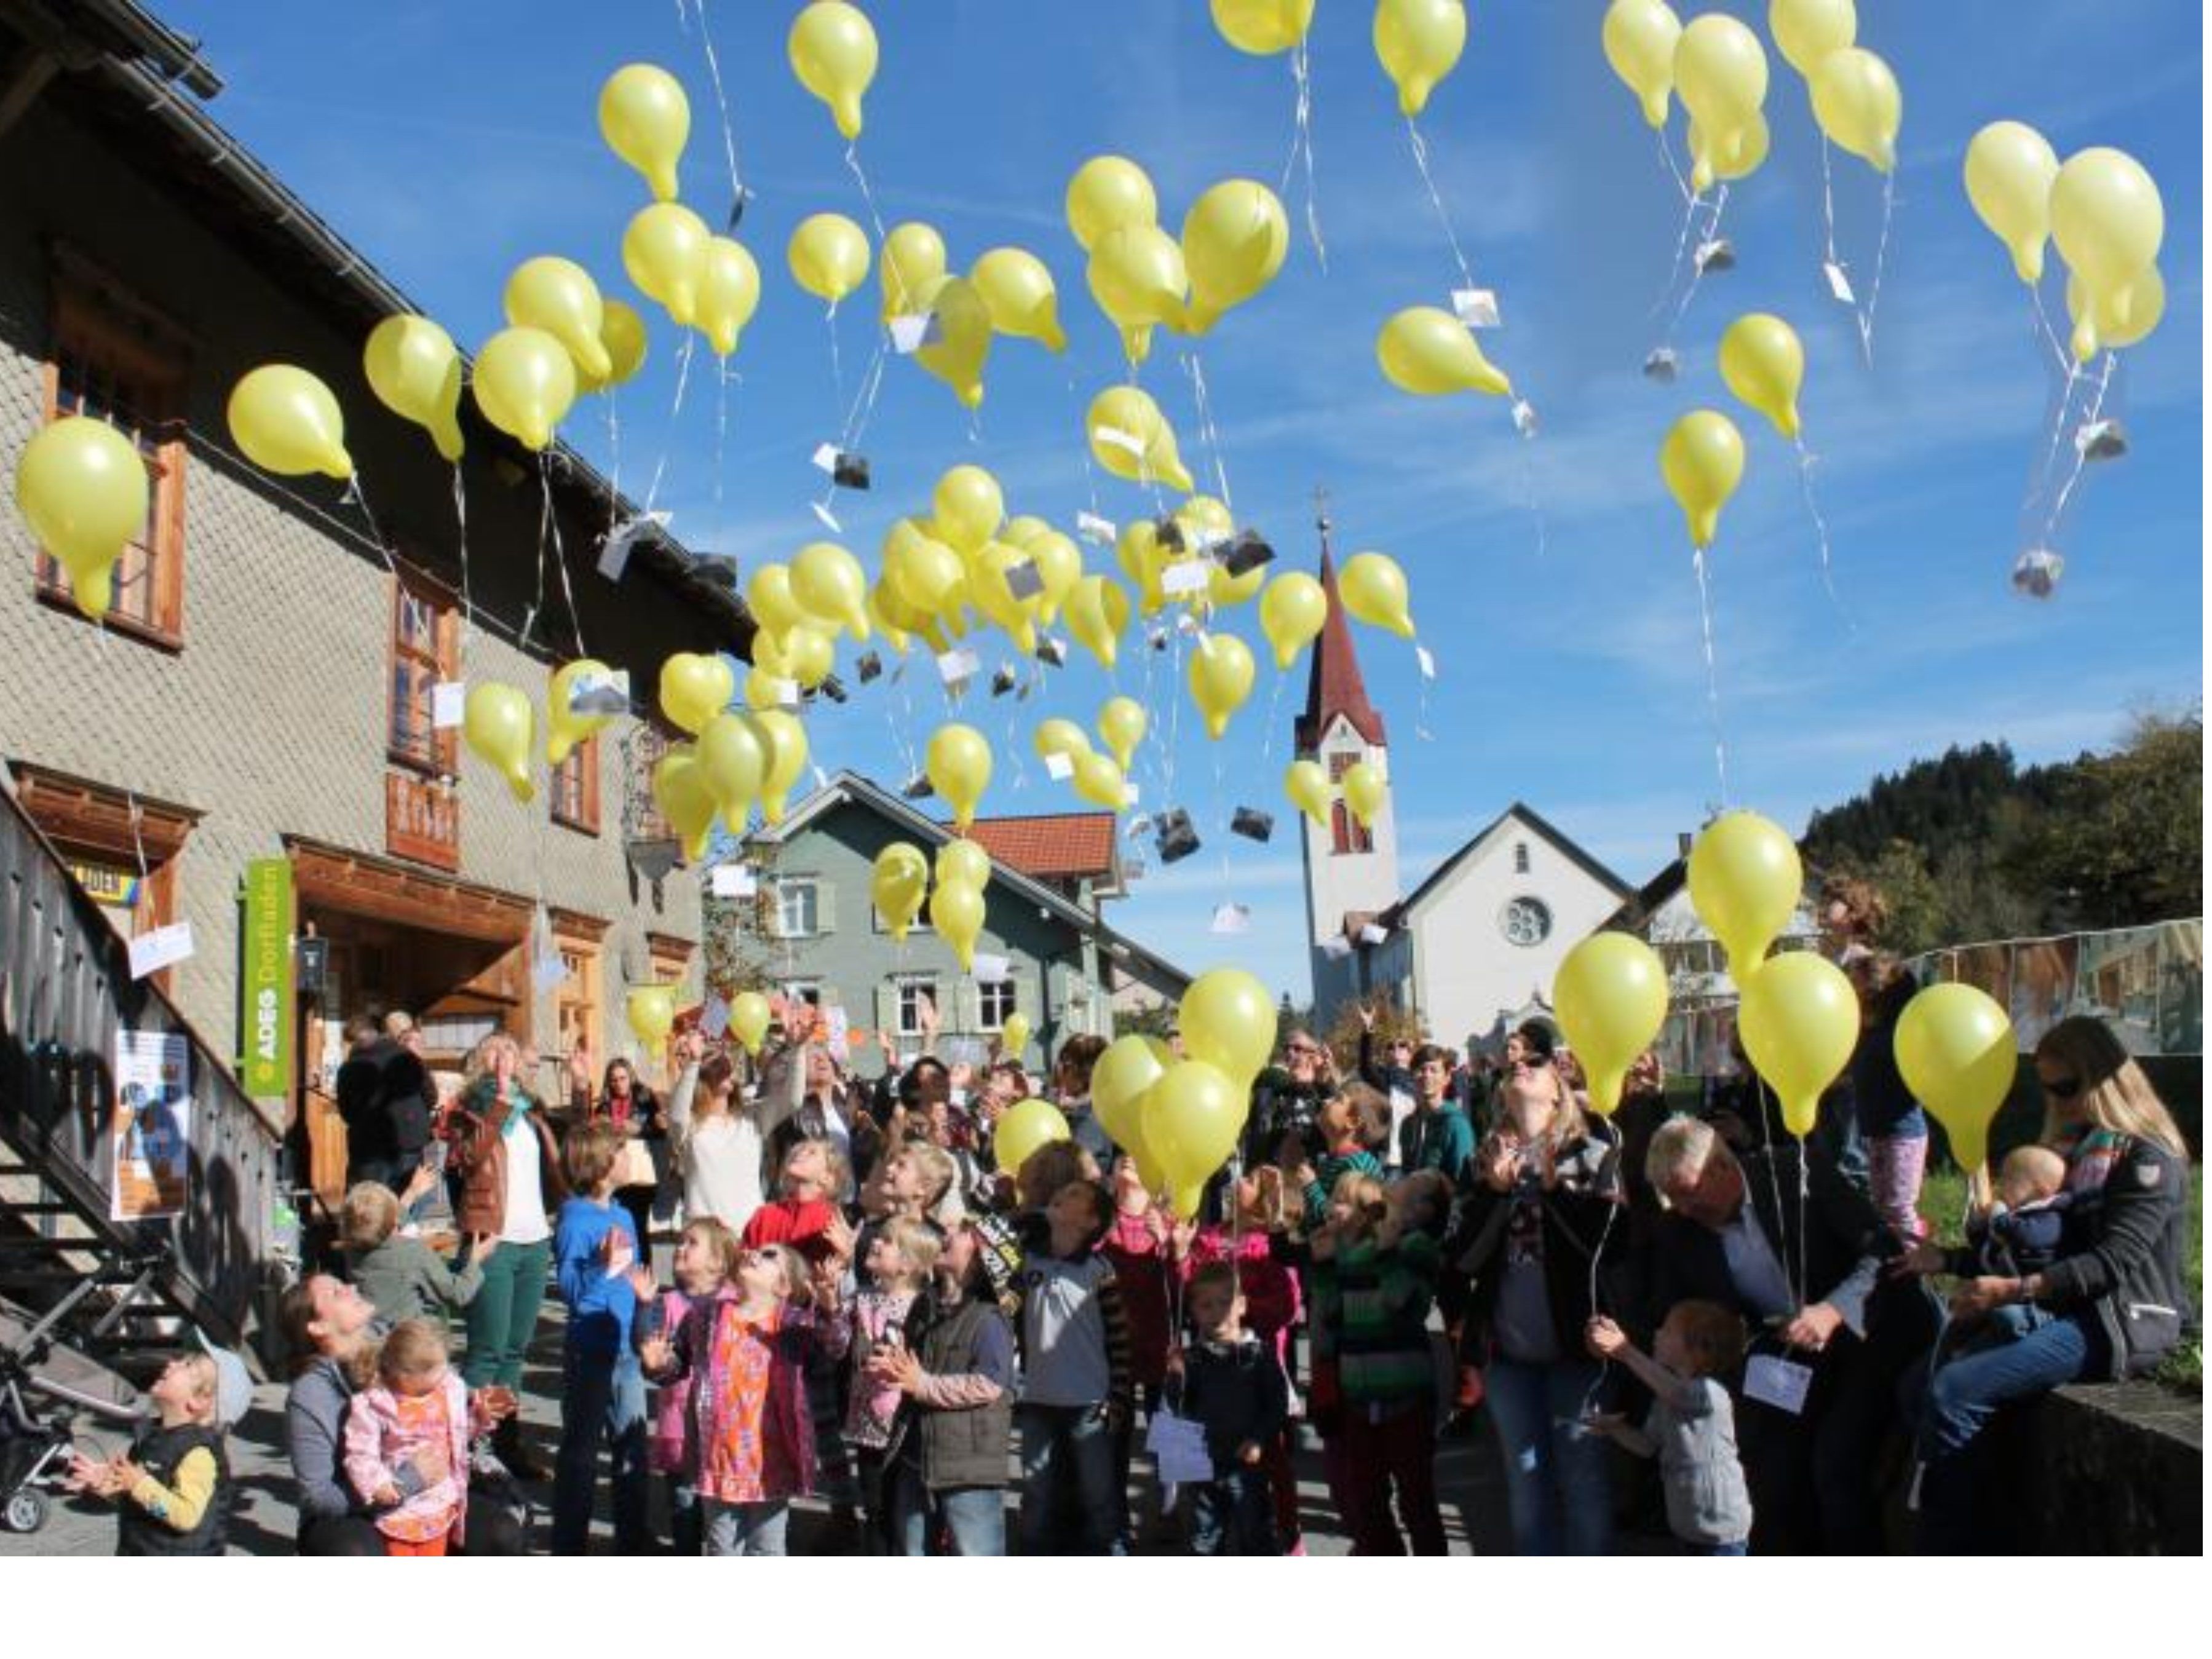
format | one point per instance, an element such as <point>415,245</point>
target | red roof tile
<point>1052,846</point>
<point>1336,686</point>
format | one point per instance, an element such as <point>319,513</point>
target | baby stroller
<point>44,1388</point>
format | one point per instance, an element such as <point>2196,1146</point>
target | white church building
<point>1473,948</point>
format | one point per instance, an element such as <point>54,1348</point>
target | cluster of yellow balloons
<point>966,556</point>
<point>1234,239</point>
<point>737,759</point>
<point>1180,1119</point>
<point>901,879</point>
<point>1008,291</point>
<point>2104,210</point>
<point>1102,779</point>
<point>1363,788</point>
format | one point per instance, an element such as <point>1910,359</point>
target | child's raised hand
<point>900,1368</point>
<point>641,1283</point>
<point>838,1235</point>
<point>656,1353</point>
<point>1604,1338</point>
<point>1249,1453</point>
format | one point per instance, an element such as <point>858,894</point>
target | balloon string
<point>614,456</point>
<point>1081,421</point>
<point>2048,335</point>
<point>675,409</point>
<point>544,535</point>
<point>461,527</point>
<point>721,104</point>
<point>867,195</point>
<point>559,551</point>
<point>1828,201</point>
<point>1691,202</point>
<point>2081,450</point>
<point>1420,147</point>
<point>1275,714</point>
<point>359,497</point>
<point>1696,267</point>
<point>1302,150</point>
<point>1806,462</point>
<point>1880,262</point>
<point>836,359</point>
<point>1421,709</point>
<point>1208,433</point>
<point>1674,171</point>
<point>858,416</point>
<point>1712,668</point>
<point>721,433</point>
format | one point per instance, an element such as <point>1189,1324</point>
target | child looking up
<point>407,1442</point>
<point>706,1256</point>
<point>896,1271</point>
<point>1352,1124</point>
<point>404,1278</point>
<point>1076,1385</point>
<point>806,1216</point>
<point>173,1484</point>
<point>1692,1425</point>
<point>602,1391</point>
<point>1227,1382</point>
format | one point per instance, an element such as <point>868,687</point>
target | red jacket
<point>803,1226</point>
<point>1145,1276</point>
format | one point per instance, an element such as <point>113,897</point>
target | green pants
<point>504,1315</point>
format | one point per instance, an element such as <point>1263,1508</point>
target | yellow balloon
<point>1234,240</point>
<point>2109,221</point>
<point>1014,1034</point>
<point>82,488</point>
<point>694,687</point>
<point>2010,167</point>
<point>1224,590</point>
<point>882,604</point>
<point>1107,192</point>
<point>1017,291</point>
<point>1097,610</point>
<point>566,727</point>
<point>922,571</point>
<point>963,863</point>
<point>968,507</point>
<point>1121,1080</point>
<point>729,293</point>
<point>524,383</point>
<point>1099,780</point>
<point>1747,155</point>
<point>2147,309</point>
<point>1191,1120</point>
<point>1059,566</point>
<point>1365,791</point>
<point>1292,612</point>
<point>1263,27</point>
<point>956,913</point>
<point>1640,36</point>
<point>1143,559</point>
<point>681,791</point>
<point>1746,883</point>
<point>414,370</point>
<point>1204,523</point>
<point>1228,1022</point>
<point>663,251</point>
<point>1122,724</point>
<point>1702,461</point>
<point>829,256</point>
<point>285,420</point>
<point>914,256</point>
<point>1610,993</point>
<point>1374,592</point>
<point>785,740</point>
<point>1131,439</point>
<point>1799,1022</point>
<point>1419,42</point>
<point>750,1016</point>
<point>1430,352</point>
<point>809,654</point>
<point>959,768</point>
<point>1220,679</point>
<point>621,332</point>
<point>1136,274</point>
<point>646,119</point>
<point>1028,1125</point>
<point>1057,736</point>
<point>1808,30</point>
<point>769,686</point>
<point>990,586</point>
<point>1959,1054</point>
<point>736,765</point>
<point>652,1011</point>
<point>769,596</point>
<point>833,53</point>
<point>501,728</point>
<point>1856,100</point>
<point>1308,787</point>
<point>957,356</point>
<point>1764,363</point>
<point>831,586</point>
<point>558,297</point>
<point>1720,75</point>
<point>898,884</point>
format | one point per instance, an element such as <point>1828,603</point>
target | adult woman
<point>1536,1227</point>
<point>635,1110</point>
<point>326,1326</point>
<point>721,1146</point>
<point>2118,1299</point>
<point>510,1175</point>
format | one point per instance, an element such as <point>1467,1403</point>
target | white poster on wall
<point>152,1125</point>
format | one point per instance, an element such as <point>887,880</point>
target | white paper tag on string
<point>1024,579</point>
<point>1371,934</point>
<point>1178,1448</point>
<point>1117,439</point>
<point>955,667</point>
<point>1187,623</point>
<point>1230,918</point>
<point>1129,793</point>
<point>449,704</point>
<point>163,947</point>
<point>714,1018</point>
<point>840,1034</point>
<point>828,518</point>
<point>1475,306</point>
<point>734,881</point>
<point>1839,284</point>
<point>1186,576</point>
<point>1780,1383</point>
<point>1059,767</point>
<point>992,970</point>
<point>1100,533</point>
<point>1427,661</point>
<point>786,693</point>
<point>1524,418</point>
<point>910,334</point>
<point>614,552</point>
<point>1715,255</point>
<point>825,457</point>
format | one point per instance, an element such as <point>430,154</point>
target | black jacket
<point>1581,1219</point>
<point>2131,1273</point>
<point>386,1098</point>
<point>159,1451</point>
<point>1237,1392</point>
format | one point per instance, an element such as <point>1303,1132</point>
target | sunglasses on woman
<point>2065,1088</point>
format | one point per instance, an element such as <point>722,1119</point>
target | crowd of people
<point>853,1301</point>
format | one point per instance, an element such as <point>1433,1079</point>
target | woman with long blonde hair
<point>2113,1304</point>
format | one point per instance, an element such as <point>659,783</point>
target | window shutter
<point>772,910</point>
<point>886,1007</point>
<point>449,669</point>
<point>825,907</point>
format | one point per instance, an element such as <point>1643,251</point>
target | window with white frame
<point>914,994</point>
<point>994,1000</point>
<point>798,907</point>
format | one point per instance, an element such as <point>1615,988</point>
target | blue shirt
<point>600,1305</point>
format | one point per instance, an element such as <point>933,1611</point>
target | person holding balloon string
<point>2119,1294</point>
<point>721,1143</point>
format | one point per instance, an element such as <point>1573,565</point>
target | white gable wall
<point>1467,971</point>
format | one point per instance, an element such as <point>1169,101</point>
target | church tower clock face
<point>1525,920</point>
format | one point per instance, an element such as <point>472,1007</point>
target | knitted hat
<point>1001,1256</point>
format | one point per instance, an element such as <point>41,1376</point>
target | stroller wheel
<point>26,1510</point>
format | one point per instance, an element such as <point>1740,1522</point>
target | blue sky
<point>450,142</point>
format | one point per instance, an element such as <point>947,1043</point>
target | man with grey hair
<point>1799,1254</point>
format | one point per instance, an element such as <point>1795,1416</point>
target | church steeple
<point>1335,685</point>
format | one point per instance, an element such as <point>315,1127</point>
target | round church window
<point>1526,921</point>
